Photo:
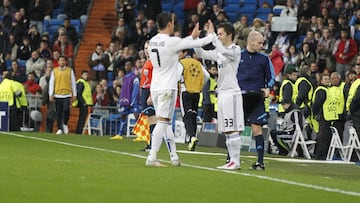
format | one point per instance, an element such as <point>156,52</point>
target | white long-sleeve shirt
<point>228,59</point>
<point>52,86</point>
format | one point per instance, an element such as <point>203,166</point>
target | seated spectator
<point>71,32</point>
<point>14,47</point>
<point>242,31</point>
<point>291,55</point>
<point>277,60</point>
<point>306,56</point>
<point>44,50</point>
<point>220,18</point>
<point>284,135</point>
<point>65,48</point>
<point>98,62</point>
<point>55,59</point>
<point>17,72</point>
<point>126,9</point>
<point>35,65</point>
<point>324,49</point>
<point>31,86</point>
<point>75,9</point>
<point>7,10</point>
<point>24,50</point>
<point>34,36</point>
<point>36,13</point>
<point>113,94</point>
<point>290,10</point>
<point>283,41</point>
<point>100,97</point>
<point>258,25</point>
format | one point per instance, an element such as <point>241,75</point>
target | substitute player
<point>256,76</point>
<point>163,53</point>
<point>230,110</point>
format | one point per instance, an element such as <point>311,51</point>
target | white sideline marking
<point>272,158</point>
<point>311,186</point>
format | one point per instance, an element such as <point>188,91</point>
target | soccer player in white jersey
<point>163,53</point>
<point>230,106</point>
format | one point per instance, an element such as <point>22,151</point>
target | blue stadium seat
<point>77,24</point>
<point>270,2</point>
<point>52,25</point>
<point>1,17</point>
<point>166,7</point>
<point>8,64</point>
<point>56,12</point>
<point>232,16</point>
<point>299,41</point>
<point>248,8</point>
<point>22,63</point>
<point>262,16</point>
<point>263,10</point>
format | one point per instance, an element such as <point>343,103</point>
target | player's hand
<point>196,32</point>
<point>266,92</point>
<point>73,98</point>
<point>51,98</point>
<point>210,28</point>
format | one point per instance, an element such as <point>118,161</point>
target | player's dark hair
<point>163,19</point>
<point>228,28</point>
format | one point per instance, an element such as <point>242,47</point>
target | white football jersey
<point>164,55</point>
<point>228,59</point>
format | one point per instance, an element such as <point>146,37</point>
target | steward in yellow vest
<point>84,100</point>
<point>324,110</point>
<point>353,104</point>
<point>287,93</point>
<point>8,94</point>
<point>337,93</point>
<point>303,91</point>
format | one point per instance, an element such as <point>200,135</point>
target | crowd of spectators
<point>326,28</point>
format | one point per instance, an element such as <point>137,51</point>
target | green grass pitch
<point>40,167</point>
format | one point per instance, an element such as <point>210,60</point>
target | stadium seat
<point>22,63</point>
<point>77,24</point>
<point>8,64</point>
<point>56,12</point>
<point>336,143</point>
<point>131,121</point>
<point>298,139</point>
<point>270,2</point>
<point>232,16</point>
<point>52,25</point>
<point>353,143</point>
<point>263,17</point>
<point>263,10</point>
<point>95,124</point>
<point>277,10</point>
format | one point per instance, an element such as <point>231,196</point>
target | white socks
<point>233,143</point>
<point>170,143</point>
<point>162,131</point>
<point>157,138</point>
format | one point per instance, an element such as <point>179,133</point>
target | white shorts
<point>230,111</point>
<point>164,103</point>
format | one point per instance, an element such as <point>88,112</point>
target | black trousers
<point>83,112</point>
<point>190,103</point>
<point>208,112</point>
<point>62,108</point>
<point>323,140</point>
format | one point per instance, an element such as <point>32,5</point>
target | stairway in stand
<point>102,19</point>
